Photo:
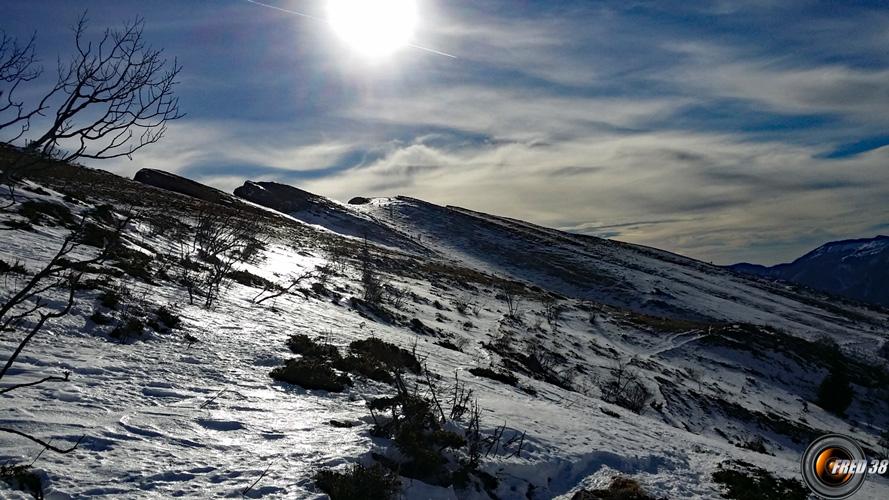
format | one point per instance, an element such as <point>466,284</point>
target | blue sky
<point>726,131</point>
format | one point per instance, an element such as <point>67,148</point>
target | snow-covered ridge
<point>728,360</point>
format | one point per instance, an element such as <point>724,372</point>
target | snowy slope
<point>166,417</point>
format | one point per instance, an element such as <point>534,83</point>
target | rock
<point>359,200</point>
<point>177,184</point>
<point>281,197</point>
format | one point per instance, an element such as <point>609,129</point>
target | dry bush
<point>623,387</point>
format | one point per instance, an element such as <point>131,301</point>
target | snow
<point>163,417</point>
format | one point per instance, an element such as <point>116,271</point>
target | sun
<point>375,28</point>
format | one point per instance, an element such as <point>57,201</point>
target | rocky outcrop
<point>359,200</point>
<point>280,197</point>
<point>177,184</point>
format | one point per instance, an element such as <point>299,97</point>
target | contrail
<point>316,18</point>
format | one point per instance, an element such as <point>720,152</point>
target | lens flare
<point>374,28</point>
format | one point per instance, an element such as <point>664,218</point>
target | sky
<point>726,131</point>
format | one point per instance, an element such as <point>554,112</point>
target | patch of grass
<point>744,481</point>
<point>500,376</point>
<point>310,373</point>
<point>22,478</point>
<point>359,483</point>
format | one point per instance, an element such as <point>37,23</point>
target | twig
<point>52,378</point>
<point>266,471</point>
<point>42,442</point>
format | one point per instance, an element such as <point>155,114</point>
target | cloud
<point>704,129</point>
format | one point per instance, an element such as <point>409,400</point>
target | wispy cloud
<point>723,130</point>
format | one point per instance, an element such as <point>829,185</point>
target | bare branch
<point>112,99</point>
<point>18,65</point>
<point>51,378</point>
<point>42,442</point>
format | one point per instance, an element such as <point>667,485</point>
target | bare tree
<point>109,90</point>
<point>513,300</point>
<point>26,309</point>
<point>18,65</point>
<point>114,97</point>
<point>209,252</point>
<point>374,287</point>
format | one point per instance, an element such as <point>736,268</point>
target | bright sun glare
<point>374,28</point>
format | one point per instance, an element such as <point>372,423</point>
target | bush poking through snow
<point>100,319</point>
<point>359,483</point>
<point>376,360</point>
<point>500,376</point>
<point>621,488</point>
<point>38,212</point>
<point>134,327</point>
<point>110,299</point>
<point>311,374</point>
<point>623,387</point>
<point>835,392</point>
<point>302,344</point>
<point>744,481</point>
<point>22,478</point>
<point>756,444</point>
<point>167,317</point>
<point>15,268</point>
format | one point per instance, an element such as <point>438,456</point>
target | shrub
<point>22,478</point>
<point>419,435</point>
<point>134,263</point>
<point>37,211</point>
<point>835,393</point>
<point>100,319</point>
<point>311,374</point>
<point>167,317</point>
<point>447,344</point>
<point>500,376</point>
<point>15,268</point>
<point>624,388</point>
<point>97,236</point>
<point>110,299</point>
<point>744,481</point>
<point>376,359</point>
<point>621,488</point>
<point>756,444</point>
<point>302,344</point>
<point>134,327</point>
<point>359,483</point>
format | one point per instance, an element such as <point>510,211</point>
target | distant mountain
<point>858,269</point>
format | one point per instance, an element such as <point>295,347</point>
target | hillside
<point>533,321</point>
<point>857,269</point>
